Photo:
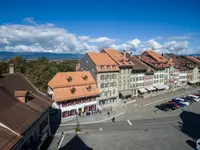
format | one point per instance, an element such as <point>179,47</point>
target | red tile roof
<point>60,80</point>
<point>62,88</point>
<point>103,60</point>
<point>157,56</point>
<point>118,57</point>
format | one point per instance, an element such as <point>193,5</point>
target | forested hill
<point>39,71</point>
<point>35,55</point>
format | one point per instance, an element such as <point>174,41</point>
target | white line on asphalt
<point>167,98</point>
<point>60,143</point>
<point>66,124</point>
<point>129,122</point>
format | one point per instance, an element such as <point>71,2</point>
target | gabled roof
<point>60,79</point>
<point>194,60</point>
<point>103,60</point>
<point>156,56</point>
<point>16,117</point>
<point>138,64</point>
<point>153,63</point>
<point>63,94</point>
<point>117,57</point>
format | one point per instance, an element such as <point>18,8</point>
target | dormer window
<point>73,90</point>
<point>114,67</point>
<point>89,88</point>
<point>108,67</point>
<point>85,77</point>
<point>102,67</point>
<point>69,79</point>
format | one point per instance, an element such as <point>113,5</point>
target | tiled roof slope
<point>102,59</point>
<point>7,139</point>
<point>17,82</point>
<point>61,94</point>
<point>194,60</point>
<point>14,114</point>
<point>60,79</point>
<point>117,57</point>
<point>138,64</point>
<point>156,56</point>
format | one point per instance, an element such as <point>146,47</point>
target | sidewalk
<point>95,118</point>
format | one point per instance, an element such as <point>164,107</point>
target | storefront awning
<point>194,81</point>
<point>160,86</point>
<point>126,93</point>
<point>143,90</point>
<point>150,88</point>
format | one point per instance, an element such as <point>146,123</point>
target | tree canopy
<point>39,71</point>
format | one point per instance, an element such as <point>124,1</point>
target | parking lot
<point>145,108</point>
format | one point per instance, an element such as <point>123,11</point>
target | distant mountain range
<point>35,55</point>
<point>51,56</point>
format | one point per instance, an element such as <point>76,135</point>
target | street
<point>139,128</point>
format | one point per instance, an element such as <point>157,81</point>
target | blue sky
<point>89,25</point>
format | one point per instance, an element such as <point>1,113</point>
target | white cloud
<point>152,44</point>
<point>49,38</point>
<point>176,46</point>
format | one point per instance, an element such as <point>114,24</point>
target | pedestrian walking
<point>108,114</point>
<point>113,119</point>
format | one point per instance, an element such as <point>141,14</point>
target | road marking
<point>60,143</point>
<point>129,122</point>
<point>100,129</point>
<point>167,98</point>
<point>68,124</point>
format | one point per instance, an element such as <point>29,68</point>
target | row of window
<point>108,67</point>
<point>106,85</point>
<point>106,77</point>
<point>137,79</point>
<point>158,76</point>
<point>108,93</point>
<point>158,81</point>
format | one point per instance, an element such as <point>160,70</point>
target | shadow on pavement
<point>76,143</point>
<point>55,120</point>
<point>190,126</point>
<point>191,143</point>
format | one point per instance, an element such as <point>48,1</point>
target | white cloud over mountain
<point>49,38</point>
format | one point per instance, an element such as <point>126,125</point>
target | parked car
<point>194,97</point>
<point>171,105</point>
<point>180,101</point>
<point>162,107</point>
<point>188,99</point>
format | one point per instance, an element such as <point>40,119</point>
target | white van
<point>194,97</point>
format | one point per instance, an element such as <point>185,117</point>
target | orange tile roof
<point>60,79</point>
<point>103,60</point>
<point>157,56</point>
<point>194,59</point>
<point>62,94</point>
<point>118,57</point>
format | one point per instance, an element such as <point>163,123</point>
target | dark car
<point>187,99</point>
<point>162,107</point>
<point>171,105</point>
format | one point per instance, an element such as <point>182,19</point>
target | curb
<point>66,124</point>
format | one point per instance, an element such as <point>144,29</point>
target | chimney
<point>124,53</point>
<point>11,68</point>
